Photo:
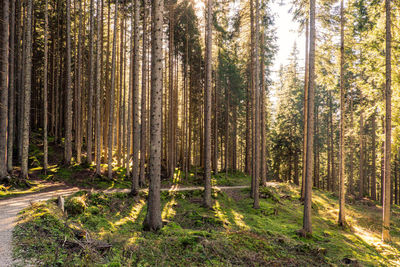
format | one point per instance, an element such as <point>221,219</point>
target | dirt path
<point>9,209</point>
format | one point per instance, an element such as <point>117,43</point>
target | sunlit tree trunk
<point>361,163</point>
<point>388,127</point>
<point>98,89</point>
<point>263,160</point>
<point>27,90</point>
<point>207,108</point>
<point>112,96</point>
<point>136,126</point>
<point>342,196</point>
<point>351,167</point>
<point>89,133</point>
<point>373,174</point>
<point>305,107</point>
<point>256,172</point>
<point>153,216</point>
<point>143,129</point>
<point>307,227</point>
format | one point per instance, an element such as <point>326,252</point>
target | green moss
<point>75,205</point>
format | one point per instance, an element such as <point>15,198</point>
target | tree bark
<point>153,216</point>
<point>388,127</point>
<point>307,227</point>
<point>89,134</point>
<point>342,196</point>
<point>27,91</point>
<point>4,87</point>
<point>143,120</point>
<point>68,119</point>
<point>305,112</point>
<point>373,174</point>
<point>98,90</point>
<point>136,126</point>
<point>207,108</point>
<point>112,96</point>
<point>45,70</point>
<point>11,90</point>
<point>361,170</point>
<point>78,138</point>
<point>256,172</point>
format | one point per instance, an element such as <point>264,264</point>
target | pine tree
<point>112,96</point>
<point>388,127</point>
<point>153,216</point>
<point>98,89</point>
<point>136,126</point>
<point>27,90</point>
<point>307,227</point>
<point>4,86</point>
<point>45,73</point>
<point>207,108</point>
<point>68,119</point>
<point>342,208</point>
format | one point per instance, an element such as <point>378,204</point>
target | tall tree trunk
<point>89,134</point>
<point>171,122</point>
<point>361,170</point>
<point>112,96</point>
<point>27,90</point>
<point>98,89</point>
<point>373,174</point>
<point>207,108</point>
<point>153,216</point>
<point>256,172</point>
<point>342,197</point>
<point>316,148</point>
<point>215,155</point>
<point>388,127</point>
<point>136,126</point>
<point>143,128</point>
<point>45,70</point>
<point>307,227</point>
<point>263,160</point>
<point>68,119</point>
<point>4,86</point>
<point>11,90</point>
<point>351,167</point>
<point>332,145</point>
<point>108,85</point>
<point>305,112</point>
<point>79,84</point>
<point>253,97</point>
<point>227,97</point>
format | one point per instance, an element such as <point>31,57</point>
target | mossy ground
<point>232,233</point>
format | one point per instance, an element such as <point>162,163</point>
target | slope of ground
<point>106,229</point>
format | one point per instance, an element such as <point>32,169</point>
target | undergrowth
<point>106,230</point>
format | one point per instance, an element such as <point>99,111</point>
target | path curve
<point>9,208</point>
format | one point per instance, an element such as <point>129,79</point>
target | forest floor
<point>102,225</point>
<point>106,229</point>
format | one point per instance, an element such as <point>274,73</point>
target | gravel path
<point>9,209</point>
